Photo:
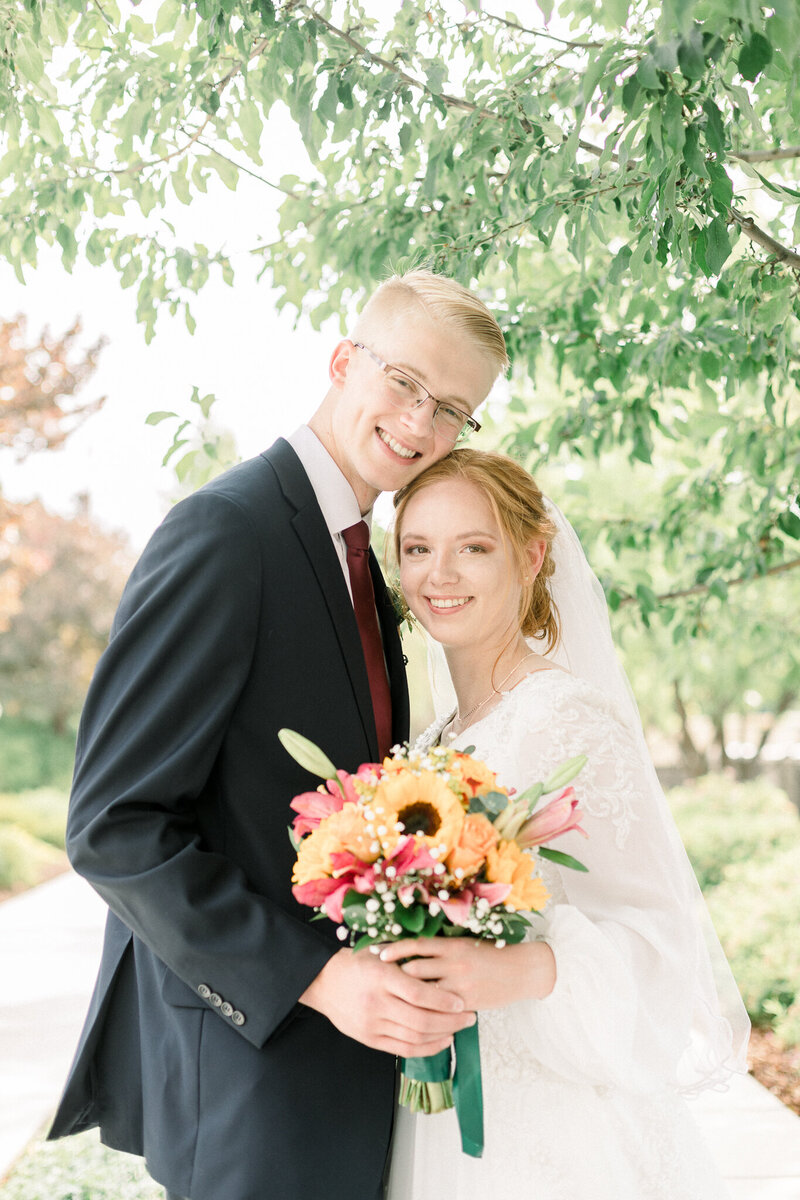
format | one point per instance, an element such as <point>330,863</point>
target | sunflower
<point>424,805</point>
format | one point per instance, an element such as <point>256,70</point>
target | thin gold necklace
<point>494,692</point>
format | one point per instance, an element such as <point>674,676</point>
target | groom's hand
<point>380,1005</point>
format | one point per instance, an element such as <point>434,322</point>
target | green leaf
<point>489,802</point>
<point>306,754</point>
<point>563,860</point>
<point>718,245</point>
<point>69,246</point>
<point>691,58</point>
<point>647,74</point>
<point>721,186</point>
<point>155,418</point>
<point>413,918</point>
<point>692,155</point>
<point>28,60</point>
<point>715,127</point>
<point>754,56</point>
<point>672,122</point>
<point>789,523</point>
<point>292,47</point>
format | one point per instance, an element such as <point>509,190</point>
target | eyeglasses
<point>408,394</point>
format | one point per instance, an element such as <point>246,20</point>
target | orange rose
<point>345,830</point>
<point>475,775</point>
<point>506,863</point>
<point>478,837</point>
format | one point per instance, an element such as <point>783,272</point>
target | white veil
<point>720,1026</point>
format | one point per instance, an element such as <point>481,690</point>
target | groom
<point>235,1045</point>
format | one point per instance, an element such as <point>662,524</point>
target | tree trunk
<point>694,759</point>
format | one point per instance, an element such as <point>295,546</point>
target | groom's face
<point>378,446</point>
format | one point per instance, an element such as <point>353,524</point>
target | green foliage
<point>32,756</point>
<point>42,813</point>
<point>754,911</point>
<point>610,183</point>
<point>23,859</point>
<point>744,842</point>
<point>722,823</point>
<point>79,1168</point>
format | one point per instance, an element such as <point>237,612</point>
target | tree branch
<point>537,33</point>
<point>246,170</point>
<point>749,228</point>
<point>754,156</point>
<point>700,588</point>
<point>388,65</point>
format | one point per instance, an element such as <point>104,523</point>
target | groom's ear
<point>536,553</point>
<point>340,361</point>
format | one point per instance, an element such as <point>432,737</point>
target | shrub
<point>755,910</point>
<point>724,822</point>
<point>41,813</point>
<point>24,859</point>
<point>33,756</point>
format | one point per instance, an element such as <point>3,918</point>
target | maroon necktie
<point>356,539</point>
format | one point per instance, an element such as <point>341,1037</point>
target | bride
<point>591,1029</point>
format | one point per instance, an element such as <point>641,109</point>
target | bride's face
<point>457,573</point>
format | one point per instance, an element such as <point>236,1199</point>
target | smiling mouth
<point>397,447</point>
<point>448,602</point>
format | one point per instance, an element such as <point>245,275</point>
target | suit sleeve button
<point>216,999</point>
<point>204,990</point>
<point>238,1018</point>
<point>227,1009</point>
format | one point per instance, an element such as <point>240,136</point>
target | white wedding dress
<point>581,1089</point>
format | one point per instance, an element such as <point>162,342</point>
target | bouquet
<point>428,844</point>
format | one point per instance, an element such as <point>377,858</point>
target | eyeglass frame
<point>470,423</point>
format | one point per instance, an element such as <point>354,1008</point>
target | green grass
<point>33,756</point>
<point>78,1168</point>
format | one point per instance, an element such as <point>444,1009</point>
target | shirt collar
<point>336,498</point>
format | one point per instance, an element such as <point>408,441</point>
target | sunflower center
<point>420,818</point>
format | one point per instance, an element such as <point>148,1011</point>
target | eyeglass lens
<point>406,393</point>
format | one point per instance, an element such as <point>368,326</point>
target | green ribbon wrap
<point>427,1086</point>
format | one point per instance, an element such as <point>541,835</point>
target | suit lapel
<point>314,536</point>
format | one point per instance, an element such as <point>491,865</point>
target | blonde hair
<point>443,299</point>
<point>519,509</point>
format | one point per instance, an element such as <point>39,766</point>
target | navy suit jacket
<point>196,1054</point>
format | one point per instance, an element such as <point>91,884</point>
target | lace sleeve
<point>623,934</point>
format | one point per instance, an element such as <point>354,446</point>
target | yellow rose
<point>506,863</point>
<point>478,837</point>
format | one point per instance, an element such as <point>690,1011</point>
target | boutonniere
<point>402,613</point>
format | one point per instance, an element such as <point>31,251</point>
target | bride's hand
<point>480,973</point>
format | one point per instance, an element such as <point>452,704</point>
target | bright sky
<point>267,378</point>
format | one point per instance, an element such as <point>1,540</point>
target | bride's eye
<point>414,551</point>
<point>475,549</point>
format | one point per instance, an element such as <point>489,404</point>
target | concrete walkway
<point>50,941</point>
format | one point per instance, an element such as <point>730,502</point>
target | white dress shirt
<point>336,498</point>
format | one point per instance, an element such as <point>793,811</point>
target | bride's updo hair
<point>519,509</point>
